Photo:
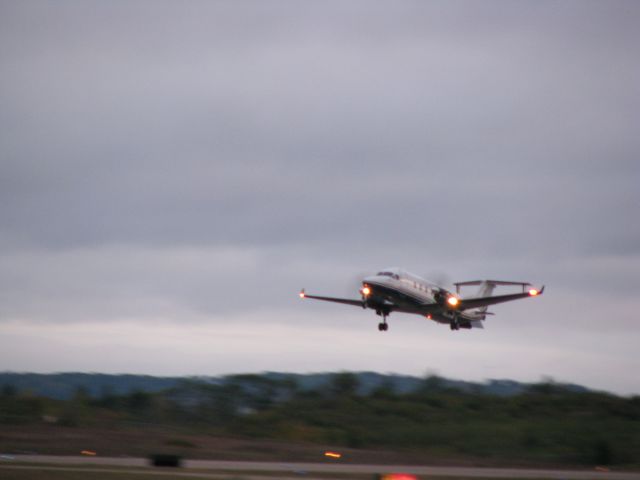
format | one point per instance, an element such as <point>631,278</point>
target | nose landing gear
<point>383,326</point>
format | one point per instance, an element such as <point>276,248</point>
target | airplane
<point>396,290</point>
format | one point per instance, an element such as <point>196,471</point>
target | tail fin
<point>485,290</point>
<point>477,315</point>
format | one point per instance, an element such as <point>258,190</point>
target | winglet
<point>302,294</point>
<point>534,293</point>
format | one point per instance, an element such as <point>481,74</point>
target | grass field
<point>144,441</point>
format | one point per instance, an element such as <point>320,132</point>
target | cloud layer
<point>197,164</point>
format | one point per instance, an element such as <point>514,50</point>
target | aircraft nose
<point>371,278</point>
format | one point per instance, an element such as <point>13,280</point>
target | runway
<point>215,468</point>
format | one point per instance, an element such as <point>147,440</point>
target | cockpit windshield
<point>388,274</point>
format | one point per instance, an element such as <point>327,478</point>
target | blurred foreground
<point>262,418</point>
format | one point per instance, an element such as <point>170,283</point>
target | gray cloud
<point>161,160</point>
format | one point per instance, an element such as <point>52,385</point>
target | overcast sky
<point>172,173</point>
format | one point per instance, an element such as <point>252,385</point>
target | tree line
<point>546,423</point>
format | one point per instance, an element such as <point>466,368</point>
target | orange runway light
<point>533,292</point>
<point>332,454</point>
<point>90,453</point>
<point>453,301</point>
<point>399,476</point>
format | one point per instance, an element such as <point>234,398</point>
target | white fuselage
<point>408,292</point>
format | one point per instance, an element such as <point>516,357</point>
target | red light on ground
<point>332,454</point>
<point>398,476</point>
<point>533,292</point>
<point>89,453</point>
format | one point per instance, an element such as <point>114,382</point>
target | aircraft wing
<point>346,301</point>
<point>466,304</point>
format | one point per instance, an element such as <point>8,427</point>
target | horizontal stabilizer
<point>494,282</point>
<point>487,286</point>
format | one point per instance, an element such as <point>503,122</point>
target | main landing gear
<point>454,325</point>
<point>383,326</point>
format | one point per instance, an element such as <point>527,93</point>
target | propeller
<point>443,295</point>
<point>440,278</point>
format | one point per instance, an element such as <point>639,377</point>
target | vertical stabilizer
<point>485,290</point>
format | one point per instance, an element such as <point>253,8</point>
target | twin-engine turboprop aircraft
<point>394,290</point>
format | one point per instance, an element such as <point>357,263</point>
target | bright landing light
<point>366,291</point>
<point>453,301</point>
<point>533,292</point>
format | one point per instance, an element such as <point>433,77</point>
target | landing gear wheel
<point>384,313</point>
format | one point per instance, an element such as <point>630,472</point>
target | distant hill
<point>63,386</point>
<point>401,384</point>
